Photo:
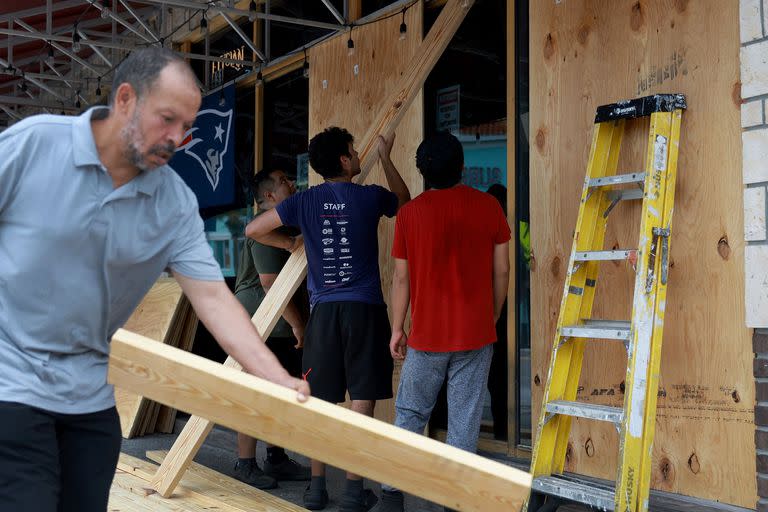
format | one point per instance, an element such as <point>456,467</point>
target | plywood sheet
<point>349,91</point>
<point>584,54</point>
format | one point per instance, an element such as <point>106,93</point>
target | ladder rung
<point>588,411</point>
<point>604,255</point>
<point>598,329</point>
<point>618,179</point>
<point>600,498</point>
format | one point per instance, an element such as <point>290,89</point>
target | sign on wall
<point>205,159</point>
<point>448,117</point>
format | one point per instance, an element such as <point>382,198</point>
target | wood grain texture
<point>200,487</point>
<point>212,483</point>
<point>585,54</point>
<point>320,430</point>
<point>197,429</point>
<point>153,318</point>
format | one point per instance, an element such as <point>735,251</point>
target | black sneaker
<point>251,474</point>
<point>288,469</point>
<point>315,499</point>
<point>363,502</point>
<point>391,501</point>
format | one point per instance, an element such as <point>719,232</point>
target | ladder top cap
<point>640,107</point>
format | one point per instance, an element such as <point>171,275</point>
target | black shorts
<point>289,357</point>
<point>346,348</point>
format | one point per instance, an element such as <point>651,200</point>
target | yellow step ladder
<point>641,335</point>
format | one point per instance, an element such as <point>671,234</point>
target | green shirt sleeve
<point>268,259</point>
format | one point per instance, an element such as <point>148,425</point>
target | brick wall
<point>754,122</point>
<point>760,346</point>
<point>754,137</point>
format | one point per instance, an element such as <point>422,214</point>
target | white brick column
<point>754,137</point>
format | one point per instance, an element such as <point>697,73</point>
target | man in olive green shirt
<point>259,266</point>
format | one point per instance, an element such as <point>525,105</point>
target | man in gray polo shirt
<point>90,215</point>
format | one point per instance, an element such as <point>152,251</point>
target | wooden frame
<point>294,271</point>
<point>511,208</point>
<point>322,431</point>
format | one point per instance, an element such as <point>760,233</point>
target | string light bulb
<point>252,10</point>
<point>75,39</point>
<point>204,22</point>
<point>403,27</point>
<point>104,11</point>
<point>77,98</point>
<point>50,59</point>
<point>259,77</point>
<point>98,86</point>
<point>350,44</point>
<point>305,67</point>
<point>23,84</point>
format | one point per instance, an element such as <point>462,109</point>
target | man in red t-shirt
<point>452,262</point>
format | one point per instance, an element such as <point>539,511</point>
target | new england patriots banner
<point>205,158</point>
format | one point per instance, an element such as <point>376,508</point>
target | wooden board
<point>323,431</point>
<point>339,97</point>
<point>204,480</point>
<point>153,317</point>
<point>584,54</point>
<point>201,488</point>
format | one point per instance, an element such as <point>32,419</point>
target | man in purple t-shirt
<point>347,336</point>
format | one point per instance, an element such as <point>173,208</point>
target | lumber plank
<point>323,431</point>
<point>153,317</point>
<point>293,273</point>
<point>183,501</point>
<point>197,429</point>
<point>203,487</point>
<point>208,481</point>
<point>121,500</point>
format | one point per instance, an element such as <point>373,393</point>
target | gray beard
<point>131,150</point>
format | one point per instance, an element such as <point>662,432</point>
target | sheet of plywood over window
<point>349,90</point>
<point>584,54</point>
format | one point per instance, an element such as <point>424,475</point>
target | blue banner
<point>206,157</point>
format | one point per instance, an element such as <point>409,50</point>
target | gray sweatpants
<point>421,378</point>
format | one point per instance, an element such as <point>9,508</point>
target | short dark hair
<point>142,67</point>
<point>499,191</point>
<point>440,159</point>
<point>326,148</point>
<point>261,183</point>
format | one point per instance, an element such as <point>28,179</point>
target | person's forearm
<point>277,239</point>
<point>231,326</point>
<point>399,298</point>
<point>395,181</point>
<point>500,286</point>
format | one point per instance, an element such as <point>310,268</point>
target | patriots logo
<point>208,142</point>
